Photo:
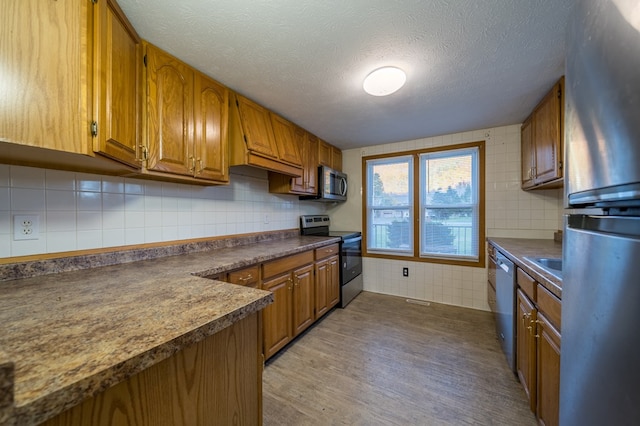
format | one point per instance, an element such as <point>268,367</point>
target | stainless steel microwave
<point>332,186</point>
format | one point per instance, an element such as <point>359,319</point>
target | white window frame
<point>371,209</point>
<point>474,204</point>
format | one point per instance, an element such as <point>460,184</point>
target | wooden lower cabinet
<point>526,349</point>
<point>548,366</point>
<point>277,316</point>
<point>327,285</point>
<point>333,283</point>
<point>303,299</point>
<point>290,279</point>
<point>215,381</point>
<point>538,349</point>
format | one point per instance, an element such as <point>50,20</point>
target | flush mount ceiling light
<point>384,81</point>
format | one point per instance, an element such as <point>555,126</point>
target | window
<point>427,205</point>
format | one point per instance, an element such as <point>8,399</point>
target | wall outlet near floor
<point>405,272</point>
<point>266,218</point>
<point>26,227</point>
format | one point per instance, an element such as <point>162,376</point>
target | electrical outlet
<point>405,272</point>
<point>266,218</point>
<point>26,227</point>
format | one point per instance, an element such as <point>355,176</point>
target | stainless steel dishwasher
<point>505,307</point>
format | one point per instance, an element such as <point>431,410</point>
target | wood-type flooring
<point>383,361</point>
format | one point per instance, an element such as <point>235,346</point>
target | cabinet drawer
<point>327,251</point>
<point>550,305</point>
<point>247,276</point>
<point>527,284</point>
<point>285,264</point>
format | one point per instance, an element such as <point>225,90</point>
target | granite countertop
<point>517,249</point>
<point>71,335</point>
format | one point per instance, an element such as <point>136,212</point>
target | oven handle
<point>352,240</point>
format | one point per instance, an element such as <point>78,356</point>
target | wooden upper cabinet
<point>329,155</point>
<point>211,124</point>
<point>336,159</point>
<point>306,183</point>
<point>187,121</point>
<point>45,83</point>
<point>547,119</point>
<point>299,184</point>
<point>542,142</point>
<point>169,113</point>
<point>311,167</point>
<point>288,149</point>
<point>261,139</point>
<point>256,124</point>
<point>527,154</point>
<point>118,82</point>
<point>324,153</point>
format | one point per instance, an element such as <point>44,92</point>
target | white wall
<point>510,212</point>
<point>85,211</point>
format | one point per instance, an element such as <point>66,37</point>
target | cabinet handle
<point>524,317</point>
<point>200,166</point>
<point>245,279</point>
<point>531,327</point>
<point>192,169</point>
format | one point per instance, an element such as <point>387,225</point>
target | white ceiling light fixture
<point>384,81</point>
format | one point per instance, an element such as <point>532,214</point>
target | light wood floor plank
<point>383,361</point>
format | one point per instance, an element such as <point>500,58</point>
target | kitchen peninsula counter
<point>516,249</point>
<point>72,334</point>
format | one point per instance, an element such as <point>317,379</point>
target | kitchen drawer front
<point>550,305</point>
<point>327,251</point>
<point>248,276</point>
<point>285,264</point>
<point>527,284</point>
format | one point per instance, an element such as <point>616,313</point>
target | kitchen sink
<point>553,265</point>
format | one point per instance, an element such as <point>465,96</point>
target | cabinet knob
<point>245,279</point>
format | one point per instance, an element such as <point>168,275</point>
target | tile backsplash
<point>85,211</point>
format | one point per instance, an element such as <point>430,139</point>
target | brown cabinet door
<point>324,153</point>
<point>303,300</point>
<point>333,281</point>
<point>211,121</point>
<point>336,159</point>
<point>548,360</point>
<point>527,155</point>
<point>257,128</point>
<point>276,317</point>
<point>288,147</point>
<point>298,185</point>
<point>526,347</point>
<point>45,77</point>
<point>322,276</point>
<point>547,134</point>
<point>311,168</point>
<point>170,113</point>
<point>118,71</point>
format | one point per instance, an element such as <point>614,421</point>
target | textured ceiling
<point>470,64</point>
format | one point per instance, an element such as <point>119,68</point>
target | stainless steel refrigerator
<point>600,359</point>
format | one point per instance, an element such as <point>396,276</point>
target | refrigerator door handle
<point>618,225</point>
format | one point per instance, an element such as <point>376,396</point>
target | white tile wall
<point>510,212</point>
<point>83,211</point>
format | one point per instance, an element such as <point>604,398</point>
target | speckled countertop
<point>71,335</point>
<point>517,249</point>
